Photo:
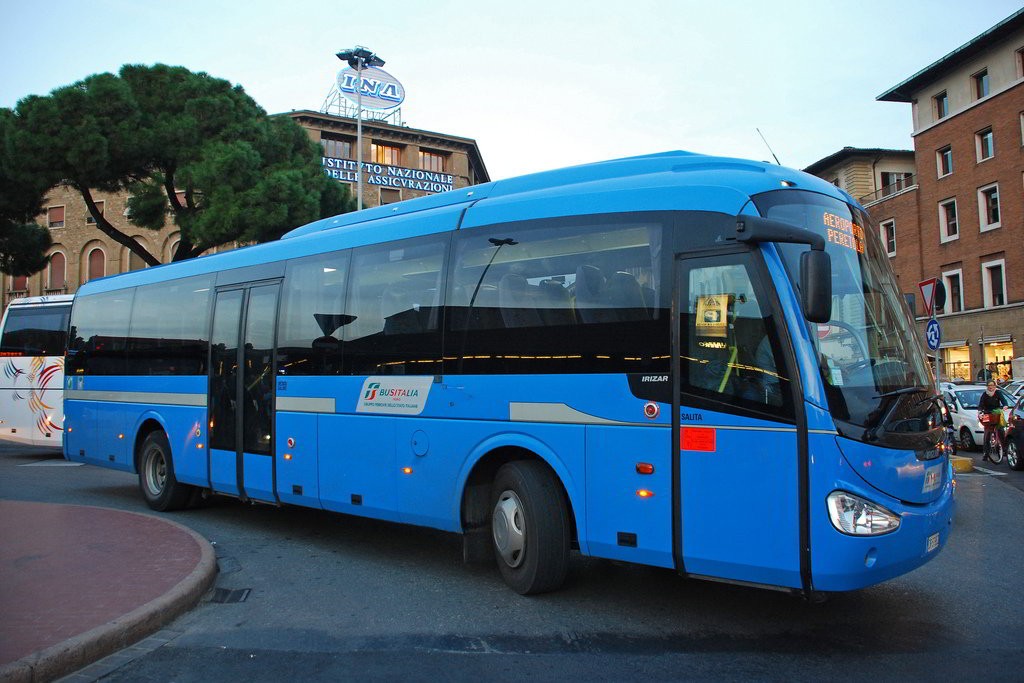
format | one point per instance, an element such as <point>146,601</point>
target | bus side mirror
<point>816,285</point>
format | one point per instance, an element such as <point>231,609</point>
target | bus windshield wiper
<point>899,392</point>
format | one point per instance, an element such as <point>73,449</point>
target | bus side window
<point>313,315</point>
<point>394,303</point>
<point>99,333</point>
<point>732,352</point>
<point>170,340</point>
<point>557,296</point>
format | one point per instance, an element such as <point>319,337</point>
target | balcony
<point>908,182</point>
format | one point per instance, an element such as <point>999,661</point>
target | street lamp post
<point>359,58</point>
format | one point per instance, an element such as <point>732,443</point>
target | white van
<point>33,341</point>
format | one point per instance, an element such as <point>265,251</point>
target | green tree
<point>23,243</point>
<point>157,131</point>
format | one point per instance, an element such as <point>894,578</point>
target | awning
<point>953,343</point>
<point>996,339</point>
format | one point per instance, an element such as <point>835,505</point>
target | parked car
<point>963,405</point>
<point>1015,388</point>
<point>1015,436</point>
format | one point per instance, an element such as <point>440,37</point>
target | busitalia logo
<point>405,396</point>
<point>374,391</point>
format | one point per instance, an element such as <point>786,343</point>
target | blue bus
<point>676,360</point>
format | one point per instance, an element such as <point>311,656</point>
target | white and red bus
<point>33,340</point>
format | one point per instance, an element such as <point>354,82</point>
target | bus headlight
<point>855,516</point>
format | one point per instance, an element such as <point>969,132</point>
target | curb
<point>962,464</point>
<point>95,644</point>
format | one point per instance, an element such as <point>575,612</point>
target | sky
<point>538,84</point>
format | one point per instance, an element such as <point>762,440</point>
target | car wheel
<point>966,440</point>
<point>1013,458</point>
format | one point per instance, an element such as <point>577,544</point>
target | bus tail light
<point>644,493</point>
<point>855,516</point>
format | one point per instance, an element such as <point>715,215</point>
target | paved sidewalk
<point>78,583</point>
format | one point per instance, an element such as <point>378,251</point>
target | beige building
<point>399,163</point>
<point>867,174</point>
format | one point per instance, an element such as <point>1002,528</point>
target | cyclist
<point>989,414</point>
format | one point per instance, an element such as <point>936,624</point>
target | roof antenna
<point>768,146</point>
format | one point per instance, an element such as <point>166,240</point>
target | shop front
<point>997,354</point>
<point>956,361</point>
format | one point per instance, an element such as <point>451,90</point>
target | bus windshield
<point>870,357</point>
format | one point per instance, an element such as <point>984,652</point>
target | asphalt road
<point>334,597</point>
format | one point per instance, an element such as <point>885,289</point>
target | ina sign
<point>381,90</point>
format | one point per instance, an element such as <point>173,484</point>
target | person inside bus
<point>989,414</point>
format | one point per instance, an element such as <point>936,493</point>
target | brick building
<point>960,217</point>
<point>399,163</point>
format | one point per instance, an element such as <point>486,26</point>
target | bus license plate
<point>933,542</point>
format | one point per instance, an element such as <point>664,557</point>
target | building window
<point>985,144</point>
<point>56,276</point>
<point>941,105</point>
<point>993,282</point>
<point>1020,63</point>
<point>386,154</point>
<point>389,196</point>
<point>432,161</point>
<point>99,209</point>
<point>944,161</point>
<point>988,207</point>
<point>981,84</point>
<point>135,261</point>
<point>893,182</point>
<point>182,199</point>
<point>888,232</point>
<point>97,264</point>
<point>953,280</point>
<point>55,217</point>
<point>19,283</point>
<point>948,228</point>
<point>337,149</point>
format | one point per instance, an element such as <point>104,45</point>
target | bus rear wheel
<point>530,527</point>
<point>156,475</point>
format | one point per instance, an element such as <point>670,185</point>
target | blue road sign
<point>934,334</point>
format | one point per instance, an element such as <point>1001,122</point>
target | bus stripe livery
<point>674,360</point>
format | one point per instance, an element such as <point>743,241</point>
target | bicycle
<point>995,437</point>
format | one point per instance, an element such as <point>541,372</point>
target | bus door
<point>737,513</point>
<point>241,398</point>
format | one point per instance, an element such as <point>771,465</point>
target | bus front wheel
<point>530,527</point>
<point>156,475</point>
